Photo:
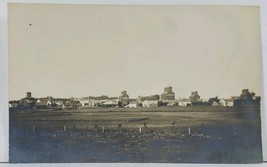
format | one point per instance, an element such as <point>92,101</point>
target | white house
<point>49,103</point>
<point>132,104</point>
<point>150,103</point>
<point>184,102</point>
<point>109,102</point>
<point>172,103</point>
<point>222,102</point>
<point>59,102</point>
<point>226,102</point>
<point>229,102</point>
<point>87,102</point>
<point>84,102</point>
<point>45,102</point>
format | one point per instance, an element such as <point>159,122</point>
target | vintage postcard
<point>134,83</point>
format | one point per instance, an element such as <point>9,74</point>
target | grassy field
<point>168,134</point>
<point>133,118</point>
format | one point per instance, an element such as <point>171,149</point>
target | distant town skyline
<point>134,97</point>
<point>99,50</point>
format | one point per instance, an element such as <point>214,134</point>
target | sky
<point>93,50</point>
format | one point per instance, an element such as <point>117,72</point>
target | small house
<point>222,102</point>
<point>229,102</point>
<point>47,102</point>
<point>184,102</point>
<point>84,102</point>
<point>215,103</point>
<point>150,103</point>
<point>59,103</point>
<point>14,103</point>
<point>226,102</point>
<point>132,104</point>
<point>109,103</point>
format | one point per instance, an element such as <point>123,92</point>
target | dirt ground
<point>135,118</point>
<point>170,134</point>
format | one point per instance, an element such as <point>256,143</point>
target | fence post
<point>33,128</point>
<point>140,129</point>
<point>103,129</point>
<point>65,128</point>
<point>189,131</point>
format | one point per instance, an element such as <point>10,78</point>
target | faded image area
<point>133,83</point>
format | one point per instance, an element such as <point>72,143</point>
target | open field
<point>169,134</point>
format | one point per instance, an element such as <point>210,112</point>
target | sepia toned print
<point>133,83</point>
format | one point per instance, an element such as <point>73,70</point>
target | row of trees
<point>245,98</point>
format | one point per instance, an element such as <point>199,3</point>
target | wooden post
<point>140,129</point>
<point>103,129</point>
<point>33,128</point>
<point>65,128</point>
<point>189,131</point>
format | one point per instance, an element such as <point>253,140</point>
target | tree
<point>247,97</point>
<point>161,103</point>
<point>194,97</point>
<point>213,99</point>
<point>120,104</point>
<point>237,102</point>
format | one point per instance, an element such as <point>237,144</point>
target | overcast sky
<point>91,50</point>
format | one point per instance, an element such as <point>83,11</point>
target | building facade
<point>168,94</point>
<point>184,102</point>
<point>28,101</point>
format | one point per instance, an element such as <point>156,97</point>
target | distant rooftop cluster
<point>167,98</point>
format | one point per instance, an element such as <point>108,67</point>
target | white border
<point>4,59</point>
<point>3,85</point>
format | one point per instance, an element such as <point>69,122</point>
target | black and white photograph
<point>103,83</point>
